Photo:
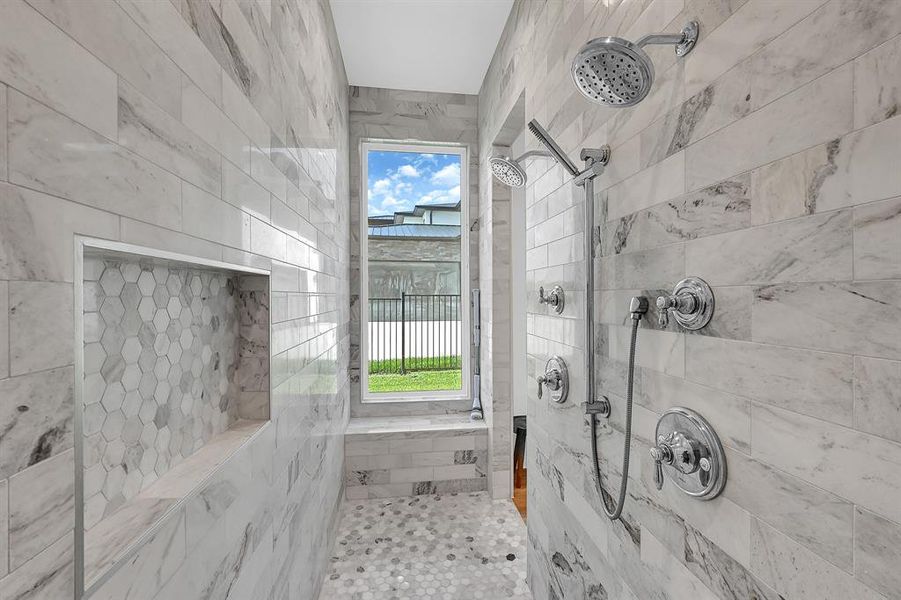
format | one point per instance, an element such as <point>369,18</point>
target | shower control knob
<point>555,298</point>
<point>690,453</point>
<point>555,379</point>
<point>691,304</point>
<point>661,454</point>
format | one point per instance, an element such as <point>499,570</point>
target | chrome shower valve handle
<point>691,304</point>
<point>555,379</point>
<point>691,452</point>
<point>684,303</point>
<point>678,451</point>
<point>555,298</point>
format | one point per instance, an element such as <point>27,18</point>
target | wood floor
<point>519,496</point>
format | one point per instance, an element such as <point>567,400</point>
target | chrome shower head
<point>544,137</point>
<point>616,72</point>
<point>507,171</point>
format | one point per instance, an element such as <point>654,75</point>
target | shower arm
<point>661,38</point>
<point>531,153</point>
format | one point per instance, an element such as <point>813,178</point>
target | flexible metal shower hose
<point>624,483</point>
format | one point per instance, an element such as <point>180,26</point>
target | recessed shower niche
<point>175,383</point>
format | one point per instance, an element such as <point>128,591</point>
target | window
<point>414,272</point>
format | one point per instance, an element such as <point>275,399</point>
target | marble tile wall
<point>414,463</point>
<point>216,129</point>
<point>764,163</point>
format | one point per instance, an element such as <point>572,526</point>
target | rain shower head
<point>545,138</point>
<point>507,170</point>
<point>616,72</point>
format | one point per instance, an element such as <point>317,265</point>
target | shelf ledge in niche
<point>114,539</point>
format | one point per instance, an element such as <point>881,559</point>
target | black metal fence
<point>416,332</point>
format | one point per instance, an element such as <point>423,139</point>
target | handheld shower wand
<point>638,308</point>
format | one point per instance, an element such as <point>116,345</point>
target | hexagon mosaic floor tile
<point>162,347</point>
<point>443,547</point>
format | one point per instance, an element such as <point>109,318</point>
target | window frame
<point>465,392</point>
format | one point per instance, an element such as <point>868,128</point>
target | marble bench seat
<point>408,456</point>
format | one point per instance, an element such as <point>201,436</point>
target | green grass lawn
<point>428,374</point>
<point>416,381</point>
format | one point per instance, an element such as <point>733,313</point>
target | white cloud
<point>441,196</point>
<point>407,171</point>
<point>448,175</point>
<point>381,186</point>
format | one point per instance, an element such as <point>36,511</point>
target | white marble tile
<point>814,383</point>
<point>41,326</point>
<point>163,23</point>
<point>162,139</point>
<point>42,61</point>
<point>877,552</point>
<point>105,30</point>
<point>4,529</point>
<point>822,453</point>
<point>144,234</point>
<point>241,191</point>
<point>862,168</point>
<point>815,113</point>
<point>44,428</point>
<point>752,26</point>
<point>858,318</point>
<point>203,117</point>
<point>798,573</point>
<point>3,170</point>
<point>242,112</point>
<point>789,187</point>
<point>805,51</point>
<point>654,185</point>
<point>877,396</point>
<point>729,414</point>
<point>4,329</point>
<point>50,153</point>
<point>264,171</point>
<point>814,248</point>
<point>877,240</point>
<point>877,85</point>
<point>37,233</point>
<point>816,519</point>
<point>50,574</point>
<point>151,567</point>
<point>209,218</point>
<point>659,351</point>
<point>677,579</point>
<point>267,240</point>
<point>41,507</point>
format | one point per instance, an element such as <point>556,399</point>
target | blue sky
<point>400,180</point>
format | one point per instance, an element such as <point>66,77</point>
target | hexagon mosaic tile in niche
<point>162,352</point>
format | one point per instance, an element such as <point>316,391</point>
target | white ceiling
<point>425,45</point>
